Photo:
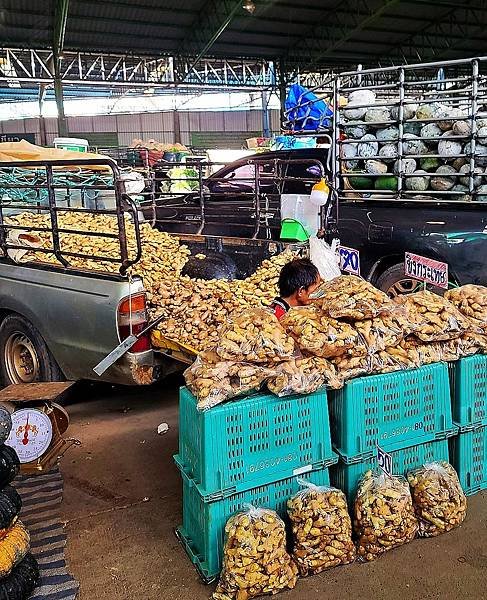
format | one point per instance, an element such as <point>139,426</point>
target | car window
<point>244,173</point>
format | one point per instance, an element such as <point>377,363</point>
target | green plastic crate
<point>394,410</point>
<point>243,444</point>
<point>202,531</point>
<point>468,378</point>
<point>346,476</point>
<point>469,457</point>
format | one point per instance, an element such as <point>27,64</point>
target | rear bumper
<point>141,368</point>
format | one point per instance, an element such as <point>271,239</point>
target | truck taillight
<point>132,318</point>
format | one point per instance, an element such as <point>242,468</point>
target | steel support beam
<point>434,40</point>
<point>60,21</point>
<point>342,25</point>
<point>132,71</point>
<point>210,23</point>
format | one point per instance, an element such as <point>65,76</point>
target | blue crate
<point>202,531</point>
<point>468,378</point>
<point>469,457</point>
<point>393,410</point>
<point>261,438</point>
<point>346,476</point>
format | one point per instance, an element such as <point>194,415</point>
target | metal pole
<point>61,18</point>
<point>266,128</point>
<point>177,127</point>
<point>42,121</point>
<point>282,91</point>
<point>62,122</point>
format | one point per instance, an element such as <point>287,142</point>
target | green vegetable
<point>386,183</point>
<point>361,183</point>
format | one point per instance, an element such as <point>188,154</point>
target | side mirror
<point>314,170</point>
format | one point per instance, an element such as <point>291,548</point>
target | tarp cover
<point>23,150</point>
<point>305,111</point>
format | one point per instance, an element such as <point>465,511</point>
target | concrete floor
<point>123,500</point>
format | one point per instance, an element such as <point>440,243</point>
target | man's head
<point>298,279</point>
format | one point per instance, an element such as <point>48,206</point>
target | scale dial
<point>31,434</point>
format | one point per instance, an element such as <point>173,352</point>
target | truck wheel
<point>394,282</point>
<point>24,356</point>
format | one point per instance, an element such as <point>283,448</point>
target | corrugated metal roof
<point>320,32</point>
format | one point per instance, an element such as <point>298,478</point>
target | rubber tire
<point>396,273</point>
<point>48,367</point>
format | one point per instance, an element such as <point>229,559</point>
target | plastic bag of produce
<point>383,514</point>
<point>474,339</point>
<point>425,352</point>
<point>413,145</point>
<point>471,301</point>
<point>387,329</point>
<point>304,376</point>
<point>350,297</point>
<point>432,317</point>
<point>319,334</point>
<point>467,344</point>
<point>368,146</point>
<point>438,499</point>
<point>255,560</point>
<point>213,381</point>
<point>361,99</point>
<point>394,358</point>
<point>349,366</point>
<point>322,529</point>
<point>255,335</point>
<point>377,114</point>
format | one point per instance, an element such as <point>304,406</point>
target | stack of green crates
<point>252,451</point>
<point>469,402</point>
<point>407,413</point>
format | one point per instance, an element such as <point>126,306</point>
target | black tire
<point>24,355</point>
<point>394,282</point>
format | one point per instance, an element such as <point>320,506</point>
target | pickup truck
<point>58,322</point>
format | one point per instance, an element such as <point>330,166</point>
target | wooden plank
<point>32,392</point>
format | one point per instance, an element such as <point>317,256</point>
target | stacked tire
<point>19,572</point>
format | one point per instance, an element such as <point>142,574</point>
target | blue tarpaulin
<point>305,111</point>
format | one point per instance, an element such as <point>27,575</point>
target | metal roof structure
<point>244,44</point>
<point>303,32</point>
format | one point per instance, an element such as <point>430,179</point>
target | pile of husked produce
<point>436,147</point>
<point>351,328</point>
<point>194,309</point>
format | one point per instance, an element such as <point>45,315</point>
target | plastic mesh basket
<point>469,457</point>
<point>468,377</point>
<point>202,531</point>
<point>346,476</point>
<point>252,441</point>
<point>393,410</point>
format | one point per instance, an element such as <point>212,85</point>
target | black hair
<point>297,274</point>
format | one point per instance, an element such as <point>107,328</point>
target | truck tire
<point>24,355</point>
<point>394,282</point>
